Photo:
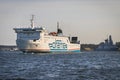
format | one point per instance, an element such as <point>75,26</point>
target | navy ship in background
<point>107,45</point>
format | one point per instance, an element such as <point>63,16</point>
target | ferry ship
<point>36,40</point>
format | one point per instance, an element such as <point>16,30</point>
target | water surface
<point>60,66</point>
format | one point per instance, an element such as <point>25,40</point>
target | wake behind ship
<point>39,40</point>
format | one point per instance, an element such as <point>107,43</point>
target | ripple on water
<point>76,66</point>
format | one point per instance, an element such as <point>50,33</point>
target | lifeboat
<point>53,33</point>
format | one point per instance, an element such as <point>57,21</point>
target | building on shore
<point>8,48</point>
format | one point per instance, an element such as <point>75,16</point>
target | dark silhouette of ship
<point>107,45</point>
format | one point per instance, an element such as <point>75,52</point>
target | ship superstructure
<point>107,45</point>
<point>39,40</point>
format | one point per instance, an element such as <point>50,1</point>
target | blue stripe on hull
<point>63,50</point>
<point>58,50</point>
<point>75,51</point>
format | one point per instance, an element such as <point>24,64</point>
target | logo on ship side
<point>58,45</point>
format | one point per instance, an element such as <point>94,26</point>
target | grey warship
<point>107,45</point>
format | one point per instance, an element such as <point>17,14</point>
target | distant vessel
<point>39,40</point>
<point>107,45</point>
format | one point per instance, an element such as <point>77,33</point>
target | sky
<point>91,20</point>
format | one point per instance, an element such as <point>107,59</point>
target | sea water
<point>60,66</point>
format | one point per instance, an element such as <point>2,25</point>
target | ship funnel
<point>59,31</point>
<point>32,22</point>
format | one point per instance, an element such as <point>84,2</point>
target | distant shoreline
<point>84,47</point>
<point>8,47</point>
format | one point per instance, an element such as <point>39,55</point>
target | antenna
<point>57,25</point>
<point>32,22</point>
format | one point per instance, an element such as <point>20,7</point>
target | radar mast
<point>32,22</point>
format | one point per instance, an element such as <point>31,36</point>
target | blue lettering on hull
<point>58,45</point>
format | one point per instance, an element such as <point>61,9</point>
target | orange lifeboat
<point>53,33</point>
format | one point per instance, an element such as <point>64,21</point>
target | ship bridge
<point>28,33</point>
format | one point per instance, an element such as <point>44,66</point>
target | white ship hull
<point>51,45</point>
<point>39,40</point>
